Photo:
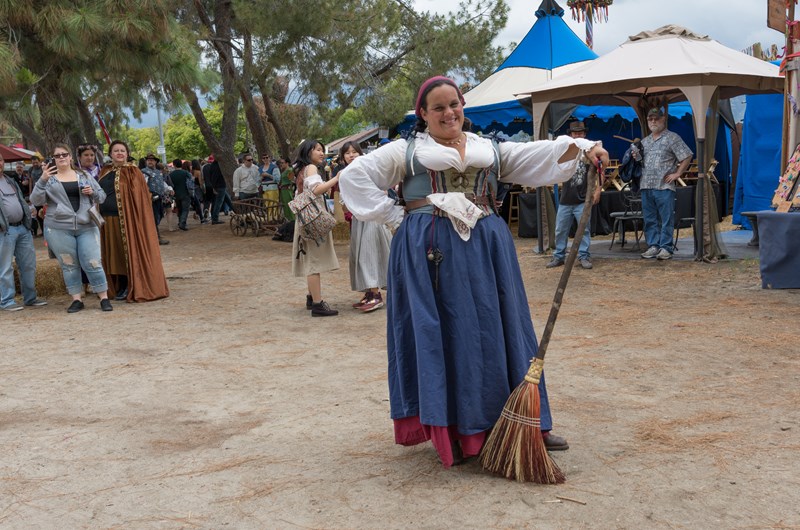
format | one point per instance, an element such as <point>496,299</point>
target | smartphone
<point>50,163</point>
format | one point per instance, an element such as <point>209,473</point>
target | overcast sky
<point>734,23</point>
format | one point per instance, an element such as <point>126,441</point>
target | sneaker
<point>555,262</point>
<point>664,254</point>
<point>650,253</point>
<point>75,306</point>
<point>322,309</point>
<point>163,242</point>
<point>105,305</point>
<point>376,302</point>
<point>585,263</point>
<point>183,228</point>
<point>217,223</point>
<point>309,302</point>
<point>366,298</point>
<point>13,307</point>
<point>37,303</point>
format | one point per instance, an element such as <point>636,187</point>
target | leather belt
<point>419,203</point>
<point>18,223</point>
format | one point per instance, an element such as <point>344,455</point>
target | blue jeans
<point>219,198</point>
<point>183,210</point>
<point>76,250</point>
<point>566,213</point>
<point>658,210</point>
<point>17,242</point>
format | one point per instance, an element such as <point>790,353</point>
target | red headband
<point>429,82</point>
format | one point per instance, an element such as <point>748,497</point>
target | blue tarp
<point>760,158</point>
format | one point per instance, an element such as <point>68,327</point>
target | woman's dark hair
<point>142,163</point>
<point>119,142</point>
<point>421,124</point>
<point>195,164</point>
<point>303,157</point>
<point>345,148</point>
<point>186,165</point>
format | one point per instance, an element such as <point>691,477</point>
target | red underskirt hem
<point>409,431</point>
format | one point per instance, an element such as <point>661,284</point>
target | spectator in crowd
<point>36,170</point>
<point>131,257</point>
<point>369,249</point>
<point>666,158</point>
<point>570,207</point>
<point>246,180</point>
<point>286,187</point>
<point>90,159</point>
<point>16,243</point>
<point>22,178</point>
<point>181,181</point>
<point>199,190</point>
<point>71,234</point>
<point>158,190</point>
<point>310,259</point>
<point>219,186</point>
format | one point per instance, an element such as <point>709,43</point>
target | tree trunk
<point>87,122</point>
<point>283,143</point>
<point>250,110</point>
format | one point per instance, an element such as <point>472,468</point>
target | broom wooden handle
<point>592,176</point>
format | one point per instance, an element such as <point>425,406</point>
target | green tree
<point>63,61</point>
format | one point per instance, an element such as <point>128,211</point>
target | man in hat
<point>16,242</point>
<point>666,158</point>
<point>572,195</point>
<point>158,189</point>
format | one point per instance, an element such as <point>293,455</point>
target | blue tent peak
<point>549,7</point>
<point>549,43</point>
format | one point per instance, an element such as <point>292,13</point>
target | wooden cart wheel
<point>255,228</point>
<point>238,225</point>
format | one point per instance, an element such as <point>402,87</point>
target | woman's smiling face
<point>443,112</point>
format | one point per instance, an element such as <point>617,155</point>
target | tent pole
<point>699,208</point>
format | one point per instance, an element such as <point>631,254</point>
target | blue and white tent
<point>549,49</point>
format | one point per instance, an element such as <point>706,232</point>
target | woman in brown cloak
<point>129,242</point>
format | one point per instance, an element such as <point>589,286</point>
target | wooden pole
<point>788,79</point>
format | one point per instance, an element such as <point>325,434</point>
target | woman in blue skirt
<point>460,335</point>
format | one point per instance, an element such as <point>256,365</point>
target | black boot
<point>322,309</point>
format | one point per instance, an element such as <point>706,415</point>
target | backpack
<point>155,182</point>
<point>313,216</point>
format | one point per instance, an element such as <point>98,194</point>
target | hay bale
<point>49,279</point>
<point>341,232</point>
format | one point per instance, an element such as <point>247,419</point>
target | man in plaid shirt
<point>666,158</point>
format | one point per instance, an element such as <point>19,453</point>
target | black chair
<point>631,214</point>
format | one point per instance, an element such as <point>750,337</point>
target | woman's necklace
<point>455,142</point>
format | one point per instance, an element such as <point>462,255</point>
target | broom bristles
<point>515,448</point>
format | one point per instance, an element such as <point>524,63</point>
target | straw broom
<point>515,448</point>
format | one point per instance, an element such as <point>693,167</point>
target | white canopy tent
<point>658,67</point>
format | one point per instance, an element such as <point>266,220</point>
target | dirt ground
<point>677,385</point>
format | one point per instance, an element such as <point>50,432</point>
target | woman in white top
<point>460,336</point>
<point>308,258</point>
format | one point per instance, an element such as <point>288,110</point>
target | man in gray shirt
<point>666,157</point>
<point>16,242</point>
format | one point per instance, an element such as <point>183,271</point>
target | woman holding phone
<point>69,230</point>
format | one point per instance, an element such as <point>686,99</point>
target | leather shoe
<point>553,442</point>
<point>163,242</point>
<point>555,262</point>
<point>75,306</point>
<point>105,305</point>
<point>123,295</point>
<point>217,223</point>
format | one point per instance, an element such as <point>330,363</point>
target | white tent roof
<point>671,62</point>
<point>502,85</point>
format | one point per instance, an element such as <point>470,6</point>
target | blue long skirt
<point>457,352</point>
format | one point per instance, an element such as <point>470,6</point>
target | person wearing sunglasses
<point>70,233</point>
<point>246,179</point>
